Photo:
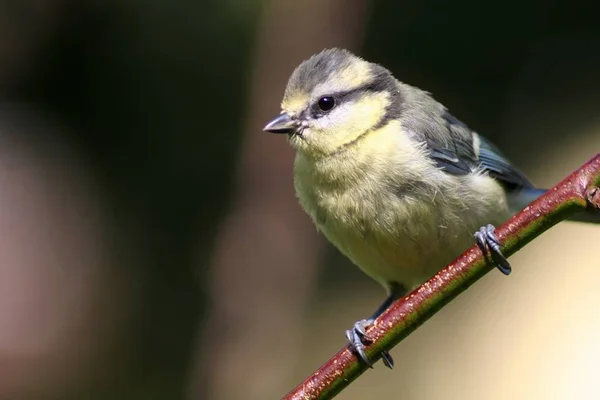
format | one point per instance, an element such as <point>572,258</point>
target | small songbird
<point>390,177</point>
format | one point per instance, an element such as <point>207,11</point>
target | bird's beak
<point>283,123</point>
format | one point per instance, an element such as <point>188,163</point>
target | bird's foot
<point>489,244</point>
<point>358,338</point>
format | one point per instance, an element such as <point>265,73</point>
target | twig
<point>578,192</point>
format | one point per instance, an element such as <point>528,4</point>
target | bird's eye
<point>326,103</point>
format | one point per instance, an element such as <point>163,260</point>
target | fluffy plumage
<point>388,175</point>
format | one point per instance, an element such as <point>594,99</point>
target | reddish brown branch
<point>578,192</point>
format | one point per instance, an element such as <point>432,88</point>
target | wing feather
<point>453,145</point>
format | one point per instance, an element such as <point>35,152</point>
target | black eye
<point>326,103</point>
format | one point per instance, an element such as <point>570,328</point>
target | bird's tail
<point>523,197</point>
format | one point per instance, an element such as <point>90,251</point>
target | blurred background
<point>150,243</point>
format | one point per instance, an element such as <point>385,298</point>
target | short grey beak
<point>281,124</point>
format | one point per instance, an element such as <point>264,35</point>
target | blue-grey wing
<point>493,161</point>
<point>453,146</point>
<point>459,151</point>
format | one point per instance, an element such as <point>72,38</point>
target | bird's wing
<point>492,160</point>
<point>455,147</point>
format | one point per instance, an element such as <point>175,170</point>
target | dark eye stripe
<point>383,81</point>
<point>340,98</point>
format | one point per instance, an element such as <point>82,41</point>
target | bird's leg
<point>357,336</point>
<point>489,244</point>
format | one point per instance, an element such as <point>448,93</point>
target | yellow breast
<point>390,211</point>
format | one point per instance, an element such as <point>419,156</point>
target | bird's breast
<point>392,212</point>
<point>393,234</point>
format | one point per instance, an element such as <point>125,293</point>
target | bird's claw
<point>489,244</point>
<point>358,338</point>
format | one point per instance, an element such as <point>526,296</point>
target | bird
<point>390,177</point>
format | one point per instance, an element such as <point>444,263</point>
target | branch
<point>578,192</point>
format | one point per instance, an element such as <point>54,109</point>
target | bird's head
<point>332,100</point>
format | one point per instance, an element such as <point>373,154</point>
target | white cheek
<point>333,120</point>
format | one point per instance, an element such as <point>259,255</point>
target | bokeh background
<point>150,243</point>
